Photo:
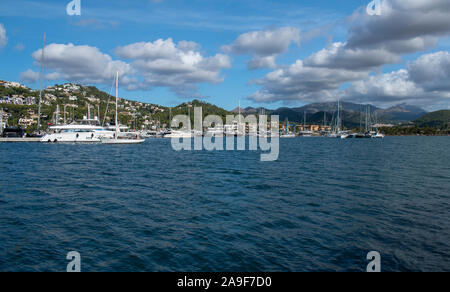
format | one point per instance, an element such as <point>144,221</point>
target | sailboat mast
<point>304,120</point>
<point>360,118</point>
<point>170,118</point>
<point>117,104</point>
<point>41,81</point>
<point>339,116</point>
<point>239,125</point>
<point>239,112</point>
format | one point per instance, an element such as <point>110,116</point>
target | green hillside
<point>439,119</point>
<point>77,99</point>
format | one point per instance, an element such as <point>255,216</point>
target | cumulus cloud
<point>3,38</point>
<point>146,65</point>
<point>83,64</point>
<point>29,76</point>
<point>264,46</point>
<point>338,56</point>
<point>401,23</point>
<point>432,71</point>
<point>384,88</point>
<point>424,82</point>
<point>404,27</point>
<point>180,67</point>
<point>300,82</point>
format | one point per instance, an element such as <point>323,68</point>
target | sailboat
<point>287,133</point>
<point>240,129</point>
<point>38,133</point>
<point>337,131</point>
<point>128,138</point>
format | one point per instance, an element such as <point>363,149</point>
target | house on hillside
<point>25,122</point>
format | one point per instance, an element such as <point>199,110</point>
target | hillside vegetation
<point>440,119</point>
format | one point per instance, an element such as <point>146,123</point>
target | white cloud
<point>404,27</point>
<point>265,45</point>
<point>424,82</point>
<point>180,67</point>
<point>83,64</point>
<point>3,38</point>
<point>384,88</point>
<point>338,56</point>
<point>432,71</point>
<point>259,62</point>
<point>29,76</point>
<point>301,82</point>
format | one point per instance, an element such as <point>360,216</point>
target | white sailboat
<point>338,132</point>
<point>124,138</point>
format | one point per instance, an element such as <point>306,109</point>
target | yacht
<point>215,132</point>
<point>306,133</point>
<point>85,131</point>
<point>287,135</point>
<point>378,135</point>
<point>234,130</point>
<point>179,134</point>
<point>343,135</point>
<point>268,134</point>
<point>332,135</point>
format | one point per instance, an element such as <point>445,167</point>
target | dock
<point>20,140</point>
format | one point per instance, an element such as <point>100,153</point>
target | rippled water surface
<point>321,207</point>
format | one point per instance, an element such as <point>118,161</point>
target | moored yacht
<point>85,131</point>
<point>378,135</point>
<point>179,134</point>
<point>288,135</point>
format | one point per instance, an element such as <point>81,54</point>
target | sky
<point>262,52</point>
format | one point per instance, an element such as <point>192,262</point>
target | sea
<point>322,206</point>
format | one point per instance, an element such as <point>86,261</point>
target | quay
<point>19,140</point>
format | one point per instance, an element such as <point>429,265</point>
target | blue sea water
<point>321,207</point>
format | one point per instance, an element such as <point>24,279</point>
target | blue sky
<point>211,24</point>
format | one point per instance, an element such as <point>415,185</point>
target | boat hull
<point>89,137</point>
<point>122,141</point>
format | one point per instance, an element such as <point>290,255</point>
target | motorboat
<point>288,135</point>
<point>175,134</point>
<point>84,131</point>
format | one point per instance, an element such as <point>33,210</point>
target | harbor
<point>224,143</point>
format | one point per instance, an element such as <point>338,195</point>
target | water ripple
<point>322,206</point>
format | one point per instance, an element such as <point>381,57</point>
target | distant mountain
<point>351,113</point>
<point>435,119</point>
<point>251,110</point>
<point>78,96</point>
<point>401,113</point>
<point>332,106</point>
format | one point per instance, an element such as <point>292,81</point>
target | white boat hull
<point>122,141</point>
<point>88,137</point>
<point>287,136</point>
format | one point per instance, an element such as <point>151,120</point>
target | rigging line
<point>107,105</point>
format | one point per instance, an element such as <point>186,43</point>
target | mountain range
<point>351,113</point>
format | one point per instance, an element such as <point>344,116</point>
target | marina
<point>230,139</point>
